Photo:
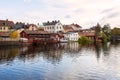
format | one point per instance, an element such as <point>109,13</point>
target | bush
<point>84,40</point>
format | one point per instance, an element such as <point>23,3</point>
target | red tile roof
<point>86,34</point>
<point>67,28</point>
<point>76,25</point>
<point>7,23</point>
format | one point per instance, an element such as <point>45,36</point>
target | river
<point>65,61</point>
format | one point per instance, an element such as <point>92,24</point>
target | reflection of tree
<point>7,54</point>
<point>106,48</point>
<point>98,50</point>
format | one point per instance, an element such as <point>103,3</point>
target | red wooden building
<point>40,36</point>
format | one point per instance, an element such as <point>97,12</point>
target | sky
<point>86,13</point>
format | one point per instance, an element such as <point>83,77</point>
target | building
<point>53,27</point>
<point>4,36</point>
<point>32,27</point>
<point>6,25</point>
<point>76,27</point>
<point>89,35</point>
<point>71,36</point>
<point>40,36</point>
<point>67,28</point>
<point>19,25</point>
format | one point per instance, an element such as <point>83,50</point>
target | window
<point>4,28</point>
<point>32,29</point>
<point>52,27</point>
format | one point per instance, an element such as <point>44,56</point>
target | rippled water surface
<point>60,62</point>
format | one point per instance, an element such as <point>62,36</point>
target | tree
<point>115,31</point>
<point>106,30</point>
<point>14,35</point>
<point>97,29</point>
<point>104,37</point>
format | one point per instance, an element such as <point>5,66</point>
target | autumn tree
<point>14,35</point>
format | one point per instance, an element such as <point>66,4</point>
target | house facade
<point>71,36</point>
<point>40,36</point>
<point>6,25</point>
<point>32,27</point>
<point>53,27</point>
<point>5,36</point>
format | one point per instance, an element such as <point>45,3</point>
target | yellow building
<point>6,25</point>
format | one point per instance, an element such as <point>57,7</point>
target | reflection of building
<point>8,54</point>
<point>72,47</point>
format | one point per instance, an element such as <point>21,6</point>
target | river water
<point>65,61</point>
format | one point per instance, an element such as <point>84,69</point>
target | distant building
<point>4,36</point>
<point>76,27</point>
<point>40,36</point>
<point>19,25</point>
<point>32,27</point>
<point>6,25</point>
<point>67,28</point>
<point>53,27</point>
<point>71,35</point>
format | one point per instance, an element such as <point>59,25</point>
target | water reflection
<point>51,52</point>
<point>65,61</point>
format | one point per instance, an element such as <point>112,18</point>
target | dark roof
<point>50,23</point>
<point>4,34</point>
<point>19,26</point>
<point>6,23</point>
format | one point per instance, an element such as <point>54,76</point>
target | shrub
<point>84,40</point>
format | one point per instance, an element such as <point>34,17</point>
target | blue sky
<point>83,12</point>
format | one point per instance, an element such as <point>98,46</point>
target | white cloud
<point>27,1</point>
<point>84,12</point>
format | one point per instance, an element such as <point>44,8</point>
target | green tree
<point>106,30</point>
<point>104,37</point>
<point>115,31</point>
<point>97,29</point>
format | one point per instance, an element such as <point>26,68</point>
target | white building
<point>71,36</point>
<point>53,27</point>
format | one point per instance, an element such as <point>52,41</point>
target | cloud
<point>68,16</point>
<point>27,1</point>
<point>107,10</point>
<point>3,12</point>
<point>83,12</point>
